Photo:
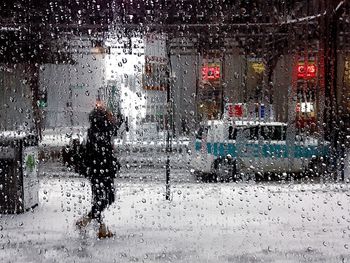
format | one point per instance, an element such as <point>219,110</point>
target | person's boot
<point>83,222</point>
<point>104,232</point>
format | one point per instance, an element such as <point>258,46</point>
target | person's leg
<point>97,200</point>
<point>95,210</point>
<point>108,198</point>
<point>103,231</point>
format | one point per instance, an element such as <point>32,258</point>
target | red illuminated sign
<point>211,73</point>
<point>235,110</point>
<point>306,71</point>
<point>239,110</point>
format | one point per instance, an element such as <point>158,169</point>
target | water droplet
<point>309,249</point>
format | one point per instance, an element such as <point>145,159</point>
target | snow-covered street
<point>267,222</point>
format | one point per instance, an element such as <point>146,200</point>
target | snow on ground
<point>61,136</point>
<point>230,222</point>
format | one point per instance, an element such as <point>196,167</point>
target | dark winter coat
<point>99,160</point>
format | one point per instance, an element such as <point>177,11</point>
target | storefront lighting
<point>211,73</point>
<point>306,71</point>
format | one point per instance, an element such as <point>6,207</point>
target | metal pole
<point>168,150</point>
<point>330,32</point>
<point>168,126</point>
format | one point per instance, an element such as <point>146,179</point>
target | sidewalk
<point>202,223</point>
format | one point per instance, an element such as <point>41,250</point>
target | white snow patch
<point>201,223</point>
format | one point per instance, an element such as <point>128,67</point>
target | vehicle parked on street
<point>227,150</point>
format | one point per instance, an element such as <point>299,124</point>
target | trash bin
<point>19,183</point>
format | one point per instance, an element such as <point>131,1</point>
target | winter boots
<point>104,232</point>
<point>83,222</point>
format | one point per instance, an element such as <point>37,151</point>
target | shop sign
<point>30,158</point>
<point>211,72</point>
<point>306,71</point>
<point>234,110</point>
<point>258,67</point>
<point>262,111</point>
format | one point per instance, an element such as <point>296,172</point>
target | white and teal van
<point>227,149</point>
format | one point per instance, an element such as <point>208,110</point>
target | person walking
<point>100,166</point>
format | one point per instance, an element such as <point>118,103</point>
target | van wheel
<point>225,169</point>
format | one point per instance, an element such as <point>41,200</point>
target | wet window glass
<point>174,131</point>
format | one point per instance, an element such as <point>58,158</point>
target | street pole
<point>168,149</point>
<point>169,122</point>
<point>330,35</point>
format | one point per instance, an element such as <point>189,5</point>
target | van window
<point>251,133</point>
<point>284,132</point>
<point>266,132</point>
<point>232,133</point>
<point>271,133</point>
<point>277,134</point>
<point>254,133</point>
